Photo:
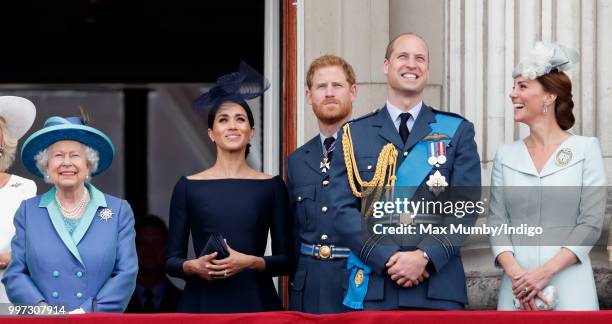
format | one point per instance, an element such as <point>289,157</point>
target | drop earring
<point>545,108</point>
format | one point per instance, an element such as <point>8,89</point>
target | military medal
<point>437,182</point>
<point>324,166</point>
<point>432,159</point>
<point>106,214</point>
<point>564,156</point>
<point>441,152</point>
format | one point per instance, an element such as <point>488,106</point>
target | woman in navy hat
<point>16,117</point>
<point>236,201</point>
<point>74,245</point>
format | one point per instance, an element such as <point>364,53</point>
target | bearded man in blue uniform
<point>319,282</point>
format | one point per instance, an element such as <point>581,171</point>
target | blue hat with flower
<point>67,129</point>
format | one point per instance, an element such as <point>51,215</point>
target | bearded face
<point>331,96</point>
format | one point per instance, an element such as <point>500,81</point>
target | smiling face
<point>528,98</point>
<point>67,166</point>
<point>407,67</point>
<point>331,95</point>
<point>231,130</point>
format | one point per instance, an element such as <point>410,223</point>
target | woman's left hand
<point>235,263</point>
<point>528,284</point>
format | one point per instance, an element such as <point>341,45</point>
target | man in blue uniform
<point>317,285</point>
<point>410,145</point>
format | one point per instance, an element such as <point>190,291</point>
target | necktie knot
<point>403,127</point>
<point>328,142</point>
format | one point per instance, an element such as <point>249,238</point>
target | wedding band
<point>525,290</point>
<point>225,274</point>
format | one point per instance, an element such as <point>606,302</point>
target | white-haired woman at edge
<point>16,117</point>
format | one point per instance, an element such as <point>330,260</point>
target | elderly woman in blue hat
<point>74,245</point>
<point>234,201</point>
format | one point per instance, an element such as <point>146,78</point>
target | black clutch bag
<point>216,243</point>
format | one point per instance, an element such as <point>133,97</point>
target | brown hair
<point>559,84</point>
<point>330,60</point>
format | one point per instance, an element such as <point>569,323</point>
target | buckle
<point>325,251</point>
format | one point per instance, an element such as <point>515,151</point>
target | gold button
<point>300,198</point>
<point>369,166</point>
<point>405,153</point>
<point>325,183</point>
<point>324,237</point>
<point>324,252</point>
<point>324,209</point>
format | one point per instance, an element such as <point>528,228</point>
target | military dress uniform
<point>445,288</point>
<point>319,282</point>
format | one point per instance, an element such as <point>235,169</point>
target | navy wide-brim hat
<point>67,129</point>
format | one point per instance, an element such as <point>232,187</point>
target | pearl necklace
<point>76,212</point>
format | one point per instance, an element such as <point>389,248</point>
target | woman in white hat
<point>16,117</point>
<point>74,245</point>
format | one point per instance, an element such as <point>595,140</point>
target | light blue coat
<point>94,268</point>
<point>567,199</point>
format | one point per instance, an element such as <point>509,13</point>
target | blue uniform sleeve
<point>348,219</point>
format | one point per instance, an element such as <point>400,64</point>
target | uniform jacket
<point>318,286</point>
<point>446,288</point>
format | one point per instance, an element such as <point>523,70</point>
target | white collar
<point>394,112</point>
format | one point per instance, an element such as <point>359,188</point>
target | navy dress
<point>242,210</point>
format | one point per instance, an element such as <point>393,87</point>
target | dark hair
<point>559,84</point>
<point>213,113</point>
<point>152,221</point>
